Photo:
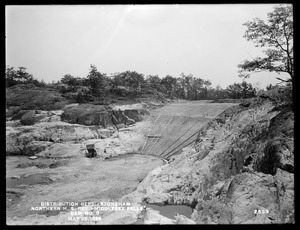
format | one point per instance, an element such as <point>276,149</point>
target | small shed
<point>91,151</point>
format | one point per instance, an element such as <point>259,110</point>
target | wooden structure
<point>170,134</point>
<point>91,151</point>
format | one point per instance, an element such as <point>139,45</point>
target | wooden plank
<point>166,150</point>
<point>177,129</point>
<point>149,133</point>
<point>161,133</point>
<point>173,153</point>
<point>194,136</point>
<point>170,153</point>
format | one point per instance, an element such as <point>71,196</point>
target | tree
<point>97,82</point>
<point>216,93</point>
<point>277,34</point>
<point>153,82</point>
<point>134,80</point>
<point>169,82</point>
<point>70,80</point>
<point>118,80</point>
<point>20,76</point>
<point>241,90</point>
<point>131,81</point>
<point>203,87</point>
<point>187,85</point>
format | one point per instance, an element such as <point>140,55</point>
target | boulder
<point>136,115</point>
<point>51,116</point>
<point>59,150</point>
<point>158,198</point>
<point>153,217</point>
<point>95,117</point>
<point>89,114</point>
<point>180,219</point>
<point>37,116</point>
<point>118,117</point>
<point>278,145</point>
<point>70,106</point>
<point>253,198</point>
<point>18,115</point>
<point>25,146</point>
<point>12,110</point>
<point>63,132</point>
<point>28,118</point>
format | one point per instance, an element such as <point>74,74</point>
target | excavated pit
<point>82,178</point>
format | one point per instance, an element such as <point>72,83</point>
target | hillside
<point>29,96</point>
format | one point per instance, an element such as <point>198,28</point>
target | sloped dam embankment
<point>240,170</point>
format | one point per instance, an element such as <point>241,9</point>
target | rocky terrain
<point>240,170</point>
<point>46,151</point>
<point>36,130</point>
<point>46,161</point>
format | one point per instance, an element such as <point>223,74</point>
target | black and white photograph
<point>149,114</point>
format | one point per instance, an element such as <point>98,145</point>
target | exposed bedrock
<point>88,114</point>
<point>31,131</point>
<point>29,140</point>
<point>240,170</point>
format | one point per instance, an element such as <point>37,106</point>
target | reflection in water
<point>39,178</point>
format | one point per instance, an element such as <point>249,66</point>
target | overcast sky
<point>203,40</point>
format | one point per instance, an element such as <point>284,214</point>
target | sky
<point>203,40</point>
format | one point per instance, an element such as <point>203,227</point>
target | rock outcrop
<point>86,114</point>
<point>17,115</point>
<point>239,171</point>
<point>153,217</point>
<point>39,129</point>
<point>21,140</point>
<point>59,150</point>
<point>89,114</point>
<point>28,118</point>
<point>12,110</point>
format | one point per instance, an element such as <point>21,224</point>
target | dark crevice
<point>287,167</point>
